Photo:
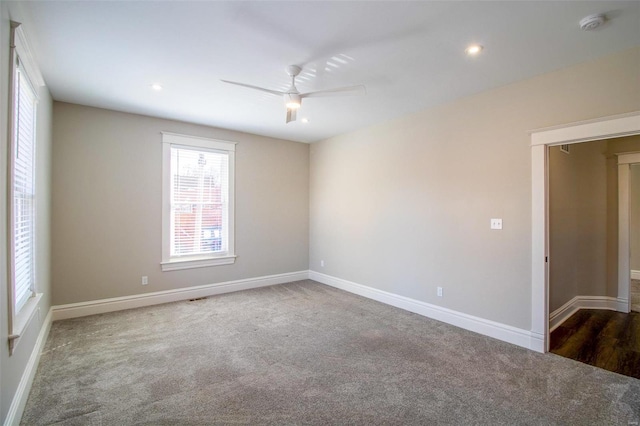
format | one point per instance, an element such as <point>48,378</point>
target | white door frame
<point>604,128</point>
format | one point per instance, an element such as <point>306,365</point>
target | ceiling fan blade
<point>340,91</point>
<point>249,86</point>
<point>291,115</point>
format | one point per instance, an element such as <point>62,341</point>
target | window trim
<point>200,261</point>
<point>19,51</point>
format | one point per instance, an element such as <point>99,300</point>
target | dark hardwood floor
<point>605,339</point>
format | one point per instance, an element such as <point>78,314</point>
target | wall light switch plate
<point>496,223</point>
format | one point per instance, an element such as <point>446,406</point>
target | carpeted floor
<point>305,353</point>
<point>635,295</point>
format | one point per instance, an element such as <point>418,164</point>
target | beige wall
<point>13,366</point>
<point>627,144</point>
<point>107,189</point>
<point>583,196</point>
<point>635,217</point>
<point>404,206</point>
<point>578,222</point>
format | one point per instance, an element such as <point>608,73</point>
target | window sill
<point>178,264</point>
<point>22,320</point>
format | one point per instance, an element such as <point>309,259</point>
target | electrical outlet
<point>496,223</point>
<point>439,291</point>
<point>145,280</point>
<point>322,263</point>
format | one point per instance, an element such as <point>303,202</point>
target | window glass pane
<point>23,191</point>
<point>199,194</point>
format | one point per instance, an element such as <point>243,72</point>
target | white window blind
<point>23,189</point>
<point>199,196</point>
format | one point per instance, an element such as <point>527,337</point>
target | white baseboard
<point>560,315</point>
<point>74,310</point>
<point>24,387</point>
<point>536,342</point>
<point>479,325</point>
<point>635,275</point>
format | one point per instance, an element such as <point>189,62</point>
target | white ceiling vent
<point>591,22</point>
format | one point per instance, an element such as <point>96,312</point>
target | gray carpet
<point>635,295</point>
<point>305,353</point>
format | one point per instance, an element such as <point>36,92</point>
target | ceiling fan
<point>293,98</point>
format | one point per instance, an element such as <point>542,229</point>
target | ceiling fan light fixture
<point>292,100</point>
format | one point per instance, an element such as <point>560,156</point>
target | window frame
<point>21,63</point>
<point>228,257</point>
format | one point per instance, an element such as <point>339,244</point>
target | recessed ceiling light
<point>156,87</point>
<point>473,50</point>
<point>305,120</point>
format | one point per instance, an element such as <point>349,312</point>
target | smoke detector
<point>591,22</point>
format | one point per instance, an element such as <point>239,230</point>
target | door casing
<point>541,139</point>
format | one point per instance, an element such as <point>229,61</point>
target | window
<point>21,194</point>
<point>23,189</point>
<point>198,202</point>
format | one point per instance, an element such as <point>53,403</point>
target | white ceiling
<point>410,55</point>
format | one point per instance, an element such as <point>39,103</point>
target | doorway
<point>588,183</point>
<point>593,225</point>
<point>608,127</point>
